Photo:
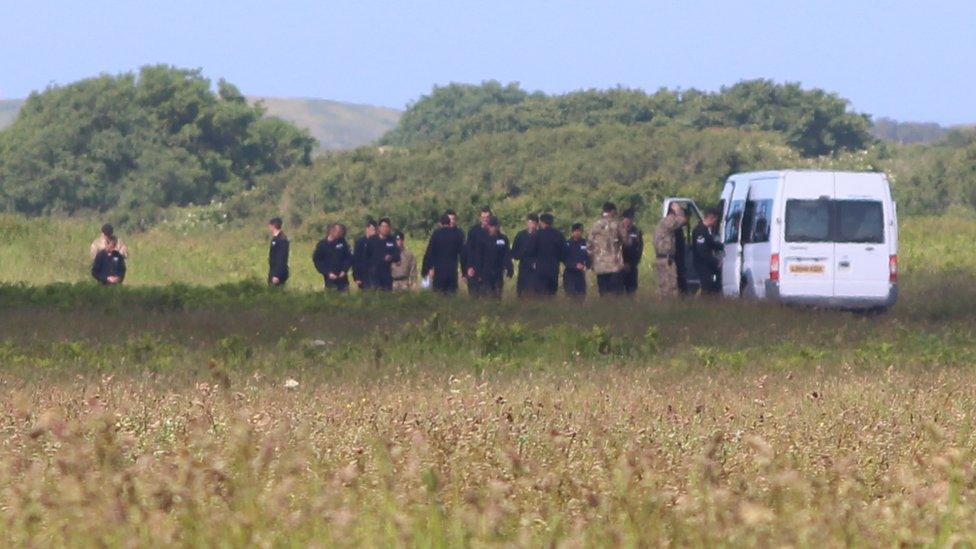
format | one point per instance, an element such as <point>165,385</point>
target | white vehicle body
<point>810,237</point>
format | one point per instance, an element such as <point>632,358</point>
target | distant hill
<point>8,111</point>
<point>907,132</point>
<point>335,125</point>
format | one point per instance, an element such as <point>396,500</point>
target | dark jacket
<point>108,264</point>
<point>444,250</point>
<point>278,258</point>
<point>477,237</point>
<point>705,247</point>
<point>521,248</point>
<point>575,253</point>
<point>547,249</point>
<point>360,271</point>
<point>493,259</point>
<point>332,257</point>
<point>380,254</point>
<point>635,251</point>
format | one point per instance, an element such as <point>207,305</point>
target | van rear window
<point>860,221</point>
<point>808,221</point>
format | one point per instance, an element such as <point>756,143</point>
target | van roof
<point>778,173</point>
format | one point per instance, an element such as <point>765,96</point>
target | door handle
<point>869,248</point>
<point>845,263</point>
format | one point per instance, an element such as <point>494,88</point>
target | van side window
<point>755,223</point>
<point>733,222</point>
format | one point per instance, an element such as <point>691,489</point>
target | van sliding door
<point>734,196</point>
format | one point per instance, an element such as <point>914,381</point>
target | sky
<point>907,60</point>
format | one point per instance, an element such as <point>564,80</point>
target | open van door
<point>734,200</point>
<point>688,282</point>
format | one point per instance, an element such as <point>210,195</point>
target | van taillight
<point>892,268</point>
<point>774,267</point>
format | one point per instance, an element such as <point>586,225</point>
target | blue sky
<point>908,60</point>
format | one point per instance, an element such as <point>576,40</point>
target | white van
<point>809,237</point>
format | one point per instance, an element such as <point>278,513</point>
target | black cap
<point>609,207</point>
<point>577,226</point>
<point>493,221</point>
<point>108,230</point>
<point>546,218</point>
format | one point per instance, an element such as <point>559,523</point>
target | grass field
<point>220,413</point>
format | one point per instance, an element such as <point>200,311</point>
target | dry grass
<point>605,457</point>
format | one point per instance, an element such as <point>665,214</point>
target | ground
<point>218,412</point>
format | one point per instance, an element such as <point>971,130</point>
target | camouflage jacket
<point>605,244</point>
<point>664,234</point>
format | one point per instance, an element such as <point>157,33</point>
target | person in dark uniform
<point>108,267</point>
<point>547,250</point>
<point>277,255</point>
<point>381,252</point>
<point>477,238</point>
<point>704,251</point>
<point>492,261</point>
<point>444,250</point>
<point>525,282</point>
<point>632,252</point>
<point>332,258</point>
<point>360,269</point>
<point>576,259</point>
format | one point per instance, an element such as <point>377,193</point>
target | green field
<point>218,412</point>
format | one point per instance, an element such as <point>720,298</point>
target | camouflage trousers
<point>667,278</point>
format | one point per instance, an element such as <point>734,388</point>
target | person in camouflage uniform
<point>404,271</point>
<point>605,245</point>
<point>665,249</point>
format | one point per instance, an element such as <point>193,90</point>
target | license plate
<point>806,268</point>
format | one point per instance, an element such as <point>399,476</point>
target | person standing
<point>477,239</point>
<point>605,244</point>
<point>333,259</point>
<point>441,258</point>
<point>577,261</point>
<point>633,252</point>
<point>101,242</point>
<point>524,241</point>
<point>665,249</point>
<point>705,250</point>
<point>493,261</point>
<point>381,253</point>
<point>404,271</point>
<point>546,250</point>
<point>360,268</point>
<point>277,255</point>
<point>108,267</point>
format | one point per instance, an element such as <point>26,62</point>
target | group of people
<point>484,257</point>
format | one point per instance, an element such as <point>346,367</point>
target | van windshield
<point>854,221</point>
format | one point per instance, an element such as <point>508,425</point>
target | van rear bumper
<point>773,293</point>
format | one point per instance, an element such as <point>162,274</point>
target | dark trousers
<point>490,286</point>
<point>710,277</point>
<point>281,281</point>
<point>339,284</point>
<point>380,281</point>
<point>574,283</point>
<point>610,284</point>
<point>546,284</point>
<point>525,283</point>
<point>446,284</point>
<point>629,279</point>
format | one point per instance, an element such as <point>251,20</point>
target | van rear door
<point>860,249</point>
<point>734,197</point>
<point>807,252</point>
